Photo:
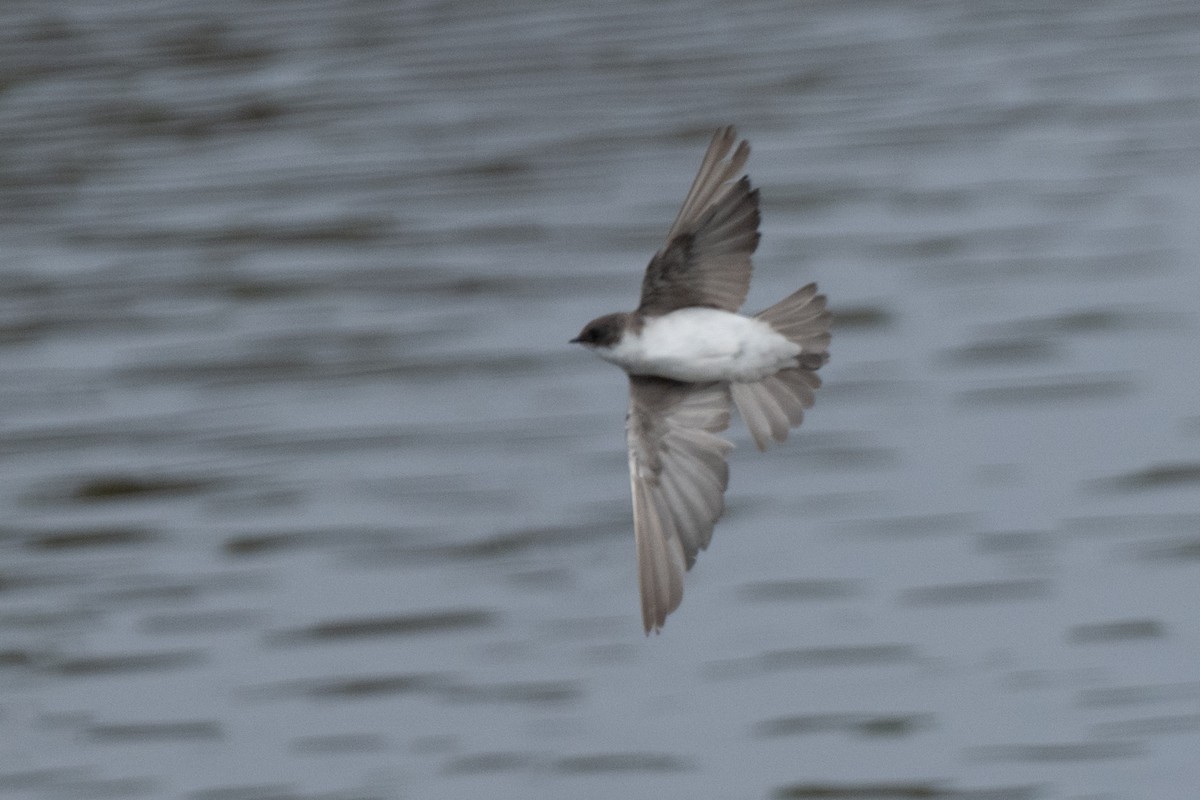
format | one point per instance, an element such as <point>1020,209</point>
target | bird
<point>689,356</point>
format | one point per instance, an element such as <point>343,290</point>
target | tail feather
<point>802,318</point>
<point>774,405</point>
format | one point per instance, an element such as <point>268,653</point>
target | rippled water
<point>305,495</point>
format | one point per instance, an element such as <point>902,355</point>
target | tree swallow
<point>688,354</point>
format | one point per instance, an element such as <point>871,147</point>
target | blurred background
<point>303,493</point>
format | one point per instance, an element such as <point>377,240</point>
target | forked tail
<point>774,405</point>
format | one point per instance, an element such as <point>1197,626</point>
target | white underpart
<point>703,344</point>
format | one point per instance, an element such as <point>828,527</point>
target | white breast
<point>704,344</point>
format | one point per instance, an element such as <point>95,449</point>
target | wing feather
<point>706,260</point>
<point>678,475</point>
<point>711,176</point>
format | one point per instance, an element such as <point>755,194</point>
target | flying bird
<point>689,354</point>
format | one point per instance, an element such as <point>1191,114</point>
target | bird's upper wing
<point>706,260</point>
<point>678,474</point>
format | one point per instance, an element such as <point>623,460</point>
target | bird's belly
<point>704,344</point>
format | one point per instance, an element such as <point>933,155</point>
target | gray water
<point>304,495</point>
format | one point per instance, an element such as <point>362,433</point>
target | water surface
<point>305,496</point>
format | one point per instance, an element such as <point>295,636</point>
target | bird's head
<point>603,332</point>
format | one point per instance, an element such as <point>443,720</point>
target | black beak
<point>576,340</point>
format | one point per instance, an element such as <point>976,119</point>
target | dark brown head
<point>603,331</point>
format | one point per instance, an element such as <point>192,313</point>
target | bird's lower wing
<point>678,475</point>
